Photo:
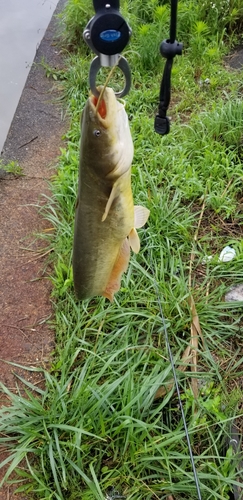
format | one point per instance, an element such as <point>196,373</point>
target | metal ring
<point>124,67</point>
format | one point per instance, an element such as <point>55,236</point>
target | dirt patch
<point>235,60</point>
<point>34,141</point>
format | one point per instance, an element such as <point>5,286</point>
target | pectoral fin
<point>113,195</point>
<point>119,268</point>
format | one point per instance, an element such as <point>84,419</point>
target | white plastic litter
<point>235,294</point>
<point>227,254</point>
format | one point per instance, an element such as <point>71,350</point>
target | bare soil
<point>33,141</point>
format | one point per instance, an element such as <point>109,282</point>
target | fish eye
<point>97,133</point>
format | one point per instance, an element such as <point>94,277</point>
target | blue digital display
<point>110,35</point>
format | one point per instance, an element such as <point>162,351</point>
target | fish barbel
<point>105,219</point>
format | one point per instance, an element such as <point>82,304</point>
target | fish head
<point>106,138</point>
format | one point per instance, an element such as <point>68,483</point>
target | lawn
<point>108,423</point>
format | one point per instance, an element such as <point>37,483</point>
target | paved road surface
<point>22,27</point>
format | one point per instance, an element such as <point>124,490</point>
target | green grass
<point>98,429</point>
<point>12,168</point>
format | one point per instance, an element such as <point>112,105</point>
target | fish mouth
<point>108,113</point>
<point>105,107</point>
<point>100,107</point>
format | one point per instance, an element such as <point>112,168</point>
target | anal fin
<point>119,268</point>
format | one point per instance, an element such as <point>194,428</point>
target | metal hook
<point>124,67</point>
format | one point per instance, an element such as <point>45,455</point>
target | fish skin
<point>105,213</point>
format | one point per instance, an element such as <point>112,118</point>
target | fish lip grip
<point>107,34</point>
<point>122,63</point>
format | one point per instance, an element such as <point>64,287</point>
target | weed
<point>226,15</point>
<point>12,168</point>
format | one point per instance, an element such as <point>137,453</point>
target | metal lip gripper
<point>107,34</point>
